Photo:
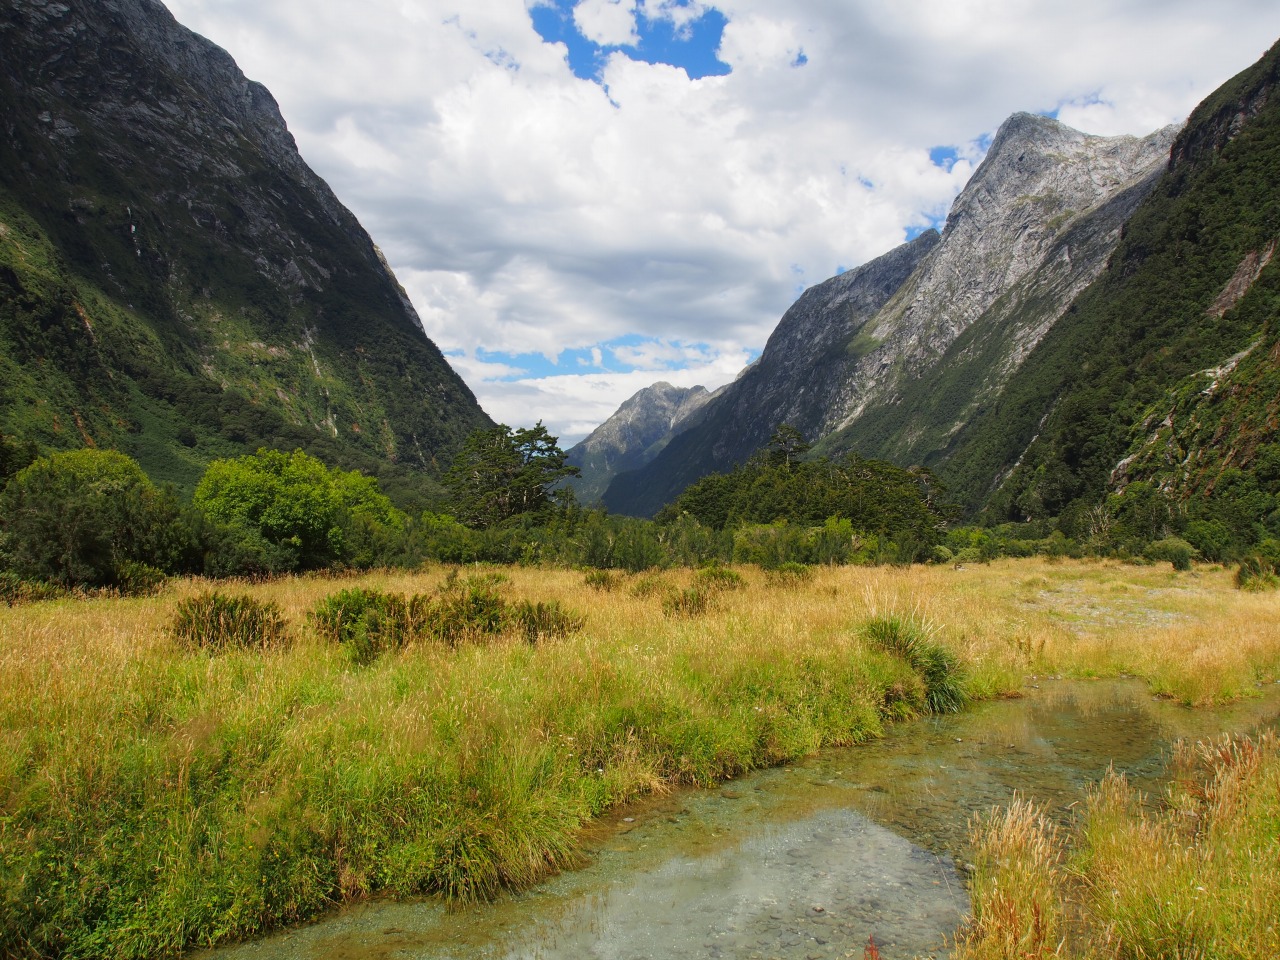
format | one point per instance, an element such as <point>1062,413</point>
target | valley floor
<point>155,797</point>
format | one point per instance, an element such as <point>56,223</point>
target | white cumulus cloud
<point>529,211</point>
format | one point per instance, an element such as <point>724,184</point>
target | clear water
<point>807,861</point>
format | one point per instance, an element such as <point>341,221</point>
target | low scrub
<point>14,590</point>
<point>690,602</point>
<point>789,575</point>
<point>218,621</point>
<point>545,620</point>
<point>369,622</point>
<point>603,580</point>
<point>718,579</point>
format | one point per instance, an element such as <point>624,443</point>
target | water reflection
<point>806,861</point>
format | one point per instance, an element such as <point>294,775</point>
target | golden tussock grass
<point>154,797</point>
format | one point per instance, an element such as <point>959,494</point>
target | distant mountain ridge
<point>634,435</point>
<point>892,358</point>
<point>175,281</point>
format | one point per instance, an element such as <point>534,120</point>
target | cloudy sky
<point>583,197</point>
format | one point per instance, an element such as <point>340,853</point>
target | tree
<point>502,473</point>
<point>288,511</point>
<point>77,518</point>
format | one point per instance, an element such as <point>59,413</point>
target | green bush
<point>369,622</point>
<point>545,620</point>
<point>788,575</point>
<point>215,620</point>
<point>692,602</point>
<point>649,585</point>
<point>290,511</point>
<point>717,579</point>
<point>602,580</point>
<point>468,611</point>
<point>14,590</point>
<point>139,579</point>
<point>76,518</point>
<point>1175,550</point>
<point>911,640</point>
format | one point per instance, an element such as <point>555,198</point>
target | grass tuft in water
<point>912,639</point>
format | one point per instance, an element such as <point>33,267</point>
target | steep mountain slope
<point>1168,368</point>
<point>793,381</point>
<point>174,280</point>
<point>634,435</point>
<point>952,317</point>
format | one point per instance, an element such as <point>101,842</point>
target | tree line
<point>93,518</point>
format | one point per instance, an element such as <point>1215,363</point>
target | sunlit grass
<point>1197,878</point>
<point>155,796</point>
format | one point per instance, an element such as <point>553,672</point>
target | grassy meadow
<point>156,796</point>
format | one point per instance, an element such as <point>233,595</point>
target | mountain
<point>175,281</point>
<point>634,435</point>
<point>1167,370</point>
<point>892,359</point>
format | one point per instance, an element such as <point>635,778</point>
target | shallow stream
<point>807,861</point>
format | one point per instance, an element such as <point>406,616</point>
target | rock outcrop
<point>890,359</point>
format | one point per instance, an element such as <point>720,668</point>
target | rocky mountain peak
<point>634,435</point>
<point>1033,227</point>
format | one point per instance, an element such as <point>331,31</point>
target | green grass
<point>156,796</point>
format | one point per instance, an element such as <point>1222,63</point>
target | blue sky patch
<point>692,48</point>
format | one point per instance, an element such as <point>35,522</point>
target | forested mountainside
<point>892,359</point>
<point>1165,371</point>
<point>175,281</point>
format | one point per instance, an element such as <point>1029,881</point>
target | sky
<point>584,197</point>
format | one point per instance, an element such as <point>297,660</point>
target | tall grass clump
<point>689,602</point>
<point>1200,879</point>
<point>603,580</point>
<point>545,620</point>
<point>912,639</point>
<point>214,620</point>
<point>1018,907</point>
<point>1197,877</point>
<point>648,585</point>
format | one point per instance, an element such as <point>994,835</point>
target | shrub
<point>602,580</point>
<point>788,575</point>
<point>14,590</point>
<point>545,621</point>
<point>139,579</point>
<point>912,640</point>
<point>75,518</point>
<point>1175,550</point>
<point>648,585</point>
<point>290,509</point>
<point>717,579</point>
<point>369,622</point>
<point>692,602</point>
<point>468,611</point>
<point>216,620</point>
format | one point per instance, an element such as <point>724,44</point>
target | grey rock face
<point>633,436</point>
<point>890,358</point>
